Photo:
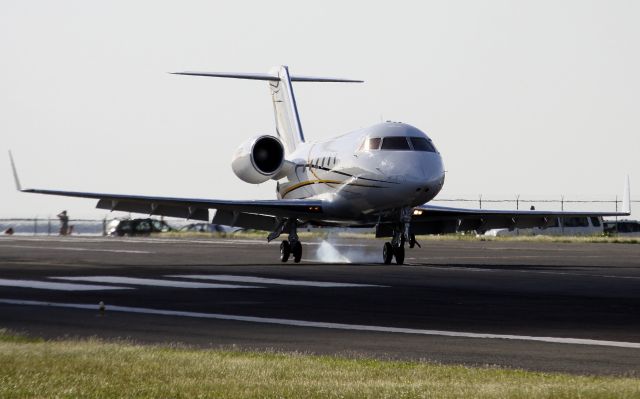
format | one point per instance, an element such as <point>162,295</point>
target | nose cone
<point>419,175</point>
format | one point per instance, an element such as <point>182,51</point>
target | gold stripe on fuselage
<point>325,181</point>
<point>308,182</point>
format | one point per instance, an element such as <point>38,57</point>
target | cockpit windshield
<point>395,143</point>
<point>422,144</point>
<point>398,143</point>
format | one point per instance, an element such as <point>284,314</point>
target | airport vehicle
<point>136,227</point>
<point>570,225</point>
<point>383,176</point>
<point>207,228</point>
<point>623,228</point>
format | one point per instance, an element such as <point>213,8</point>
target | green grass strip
<point>97,369</point>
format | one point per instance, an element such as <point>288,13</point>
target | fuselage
<point>380,168</point>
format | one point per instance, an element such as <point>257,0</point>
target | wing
<point>431,219</point>
<point>259,214</point>
<point>192,208</point>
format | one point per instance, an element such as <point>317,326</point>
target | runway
<point>538,306</point>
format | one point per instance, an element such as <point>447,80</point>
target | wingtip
<point>15,172</point>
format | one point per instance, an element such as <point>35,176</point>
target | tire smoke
<point>327,252</point>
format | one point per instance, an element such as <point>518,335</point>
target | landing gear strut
<point>395,248</point>
<point>291,246</point>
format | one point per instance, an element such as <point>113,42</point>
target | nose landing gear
<point>390,251</point>
<point>395,248</point>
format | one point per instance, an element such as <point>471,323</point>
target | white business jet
<point>381,176</point>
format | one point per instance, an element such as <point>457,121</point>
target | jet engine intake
<point>258,159</point>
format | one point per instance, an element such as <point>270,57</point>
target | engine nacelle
<point>259,159</point>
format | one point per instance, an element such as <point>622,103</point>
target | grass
<point>97,369</point>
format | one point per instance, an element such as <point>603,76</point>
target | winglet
<point>626,199</point>
<point>15,173</point>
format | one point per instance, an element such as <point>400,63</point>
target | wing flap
<point>185,212</point>
<point>245,220</point>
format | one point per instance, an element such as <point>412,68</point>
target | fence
<point>51,226</point>
<point>517,201</point>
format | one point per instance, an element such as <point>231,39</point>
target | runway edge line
<point>317,324</point>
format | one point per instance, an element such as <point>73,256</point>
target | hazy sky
<point>538,98</point>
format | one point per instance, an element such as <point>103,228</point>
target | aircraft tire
<point>399,254</point>
<point>387,253</point>
<point>296,250</point>
<point>285,251</point>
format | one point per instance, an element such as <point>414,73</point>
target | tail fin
<point>285,110</point>
<point>284,102</point>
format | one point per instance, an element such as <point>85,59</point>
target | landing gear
<point>285,251</point>
<point>296,249</point>
<point>387,253</point>
<point>413,242</point>
<point>395,248</point>
<point>289,247</point>
<point>399,254</point>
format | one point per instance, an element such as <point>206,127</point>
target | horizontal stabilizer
<point>267,76</point>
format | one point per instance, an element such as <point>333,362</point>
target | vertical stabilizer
<point>285,109</point>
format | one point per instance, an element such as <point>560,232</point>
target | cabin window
<point>422,144</point>
<point>595,222</point>
<point>395,143</point>
<point>372,144</point>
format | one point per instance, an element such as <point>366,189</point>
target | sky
<point>532,98</point>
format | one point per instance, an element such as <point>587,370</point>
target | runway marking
<point>317,324</point>
<point>150,282</point>
<point>123,251</point>
<point>48,285</point>
<point>263,280</point>
<point>492,270</point>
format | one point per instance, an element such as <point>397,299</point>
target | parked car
<point>136,227</point>
<point>208,228</point>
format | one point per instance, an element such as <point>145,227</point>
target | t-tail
<point>288,125</point>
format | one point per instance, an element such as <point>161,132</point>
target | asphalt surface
<point>538,306</point>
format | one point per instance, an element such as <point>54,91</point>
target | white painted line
<point>149,281</point>
<point>121,251</point>
<point>48,285</point>
<point>458,268</point>
<point>318,324</point>
<point>263,280</point>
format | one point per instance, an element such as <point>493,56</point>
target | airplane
<point>381,176</point>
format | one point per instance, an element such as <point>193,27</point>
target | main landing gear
<point>292,246</point>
